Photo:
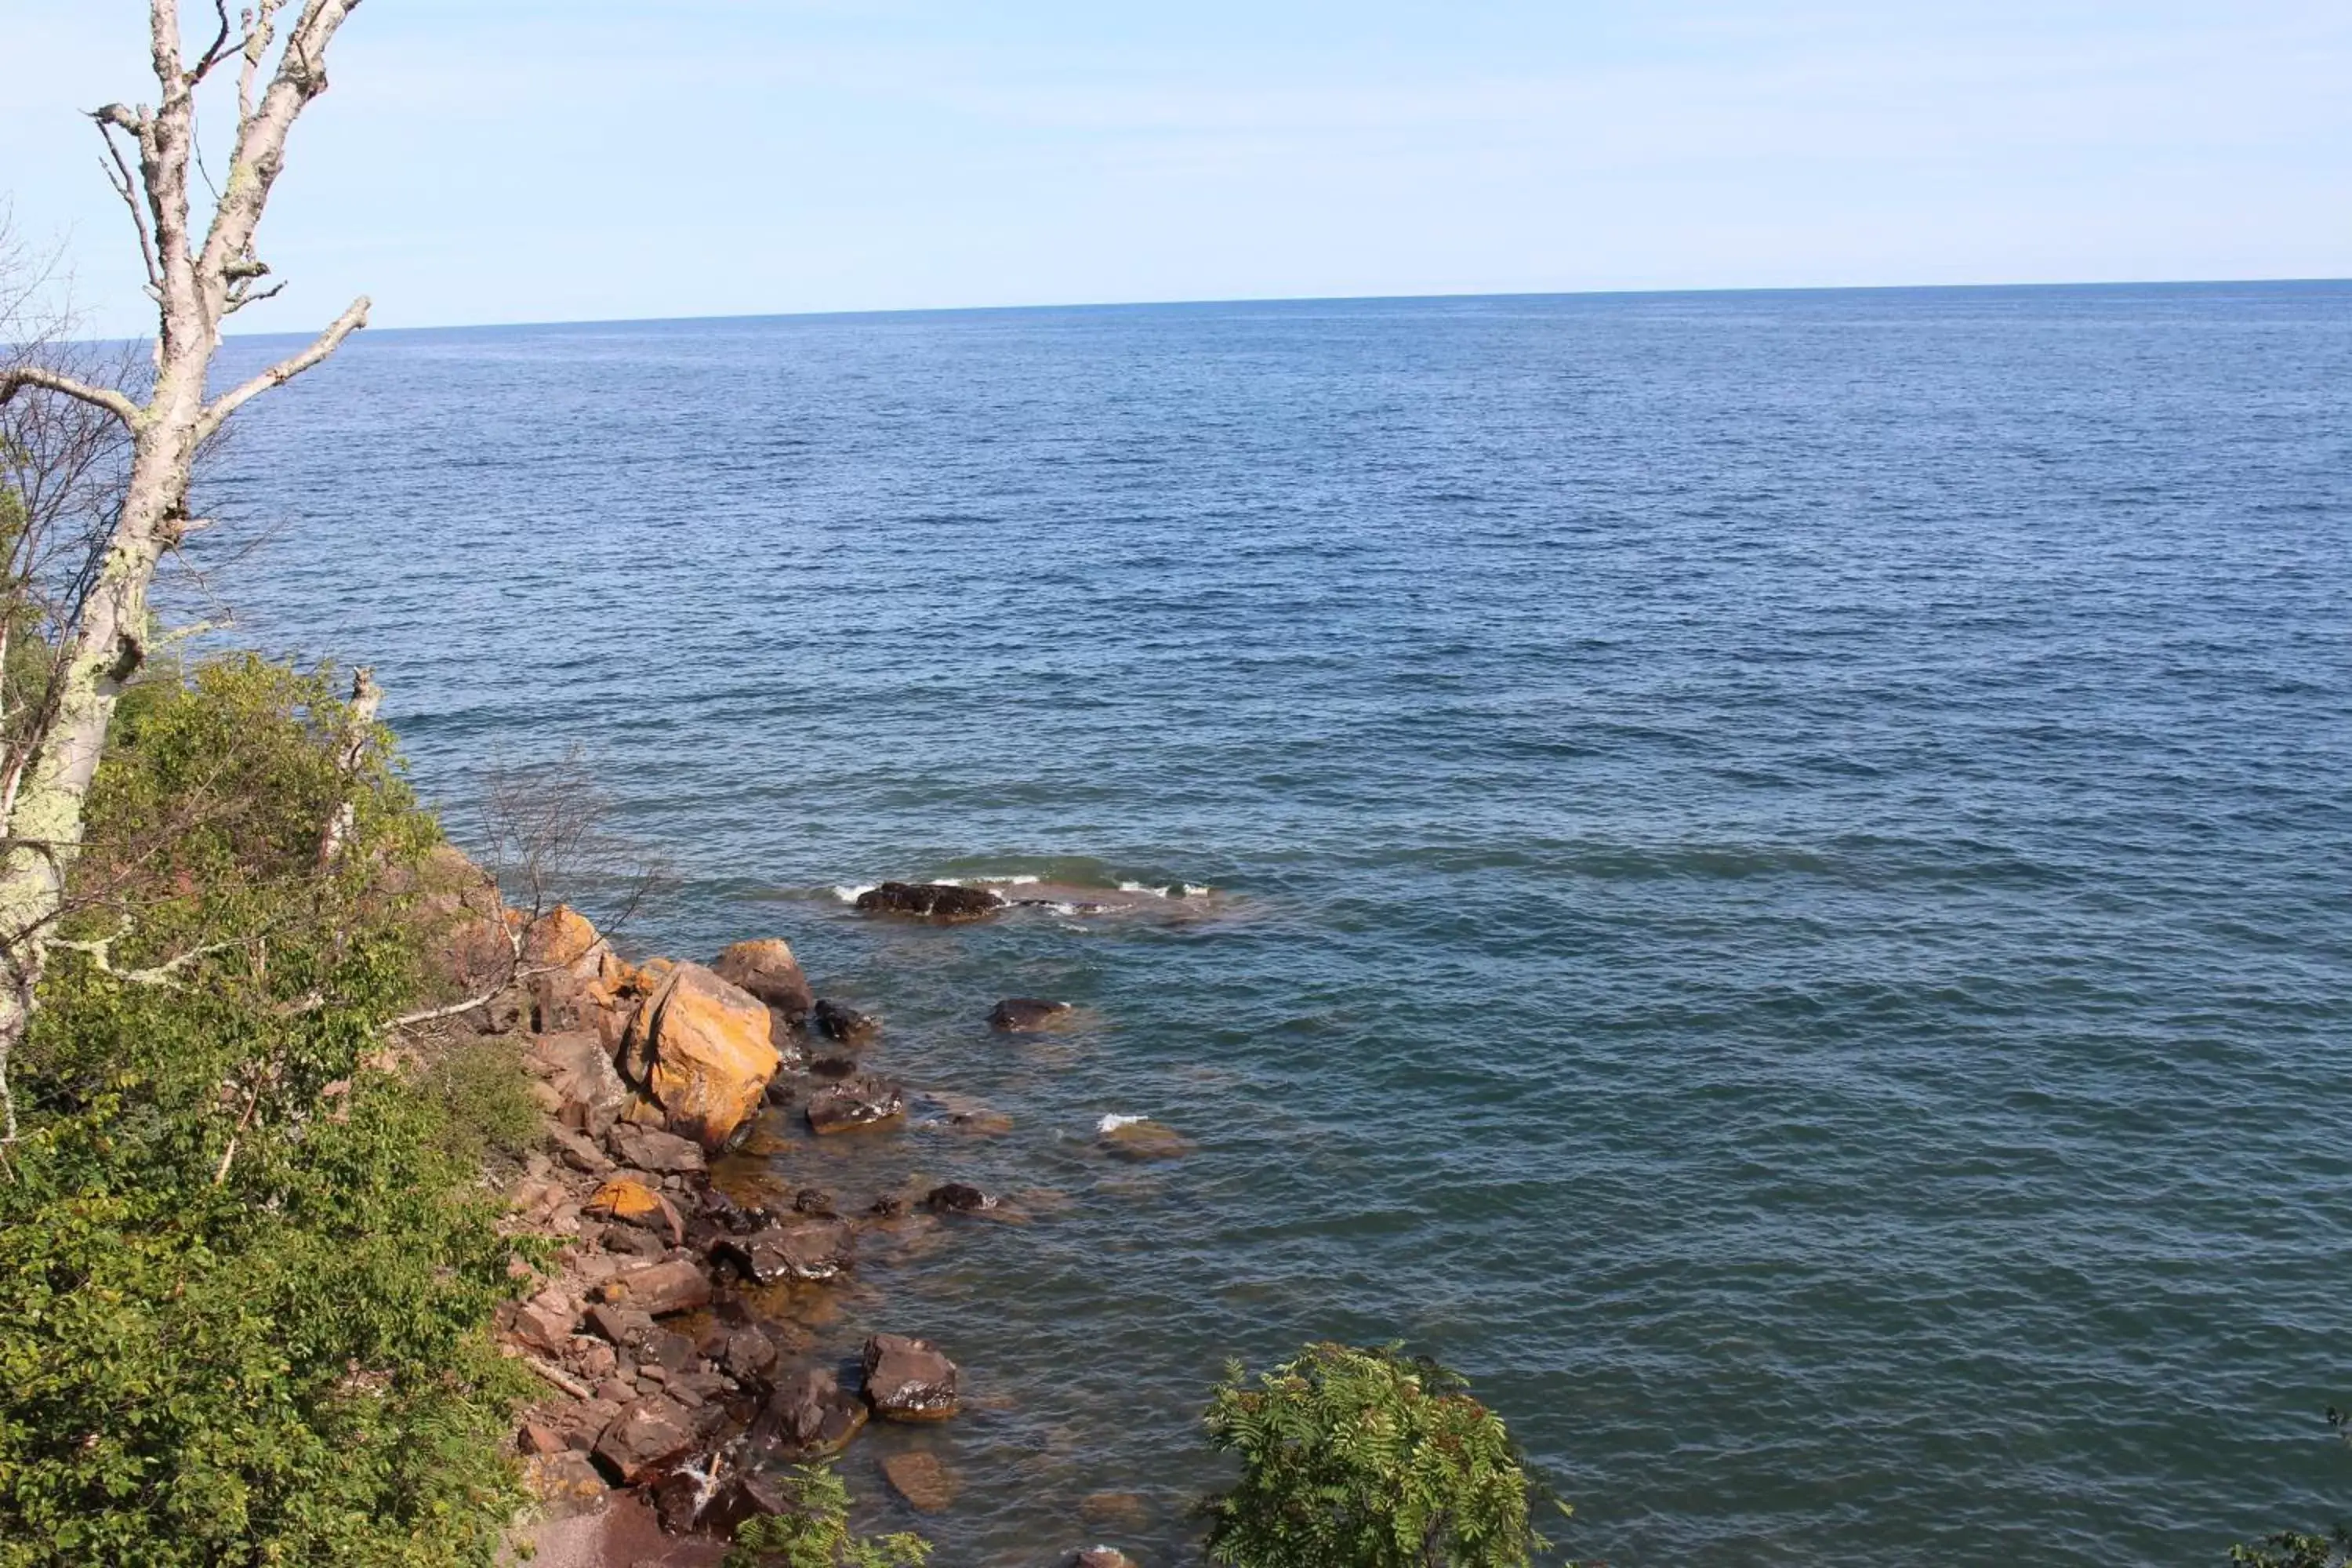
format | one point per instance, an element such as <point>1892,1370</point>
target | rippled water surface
<point>1785,856</point>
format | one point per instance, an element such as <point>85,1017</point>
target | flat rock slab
<point>677,1286</point>
<point>812,1246</point>
<point>928,1486</point>
<point>651,1149</point>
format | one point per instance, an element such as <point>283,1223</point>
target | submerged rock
<point>928,1485</point>
<point>1139,1138</point>
<point>908,1379</point>
<point>768,971</point>
<point>943,901</point>
<point>855,1104</point>
<point>1027,1015</point>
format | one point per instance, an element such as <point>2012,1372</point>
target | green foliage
<point>2293,1547</point>
<point>245,1271</point>
<point>815,1532</point>
<point>1364,1458</point>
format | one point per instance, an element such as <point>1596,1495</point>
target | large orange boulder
<point>702,1051</point>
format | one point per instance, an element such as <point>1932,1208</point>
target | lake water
<point>1784,863</point>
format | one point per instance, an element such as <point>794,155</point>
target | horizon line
<point>1464,296</point>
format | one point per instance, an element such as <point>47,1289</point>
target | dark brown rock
<point>833,1069</point>
<point>1102,1557</point>
<point>941,902</point>
<point>908,1379</point>
<point>812,1200</point>
<point>749,1356</point>
<point>544,1322</point>
<point>847,1025</point>
<point>647,1436</point>
<point>958,1197</point>
<point>813,1246</point>
<point>856,1104</point>
<point>768,970</point>
<point>807,1417</point>
<point>1027,1015</point>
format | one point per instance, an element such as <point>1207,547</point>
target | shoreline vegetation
<point>370,1208</point>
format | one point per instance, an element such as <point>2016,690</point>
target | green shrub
<point>245,1276</point>
<point>2293,1547</point>
<point>815,1532</point>
<point>1364,1458</point>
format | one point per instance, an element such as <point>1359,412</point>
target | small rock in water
<point>812,1200</point>
<point>847,1025</point>
<point>1140,1138</point>
<point>1025,1015</point>
<point>855,1104</point>
<point>927,1486</point>
<point>958,1197</point>
<point>1102,1557</point>
<point>943,901</point>
<point>908,1379</point>
<point>834,1069</point>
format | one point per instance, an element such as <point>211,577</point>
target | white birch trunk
<point>195,289</point>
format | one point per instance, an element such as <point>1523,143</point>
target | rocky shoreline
<point>671,1323</point>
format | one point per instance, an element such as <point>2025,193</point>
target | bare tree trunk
<point>197,288</point>
<point>366,697</point>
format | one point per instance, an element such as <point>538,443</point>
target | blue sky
<point>535,160</point>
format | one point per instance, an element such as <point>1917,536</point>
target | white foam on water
<point>1113,1123</point>
<point>848,895</point>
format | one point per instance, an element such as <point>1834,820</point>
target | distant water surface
<point>1788,868</point>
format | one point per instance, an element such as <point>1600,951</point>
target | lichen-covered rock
<point>703,1049</point>
<point>767,969</point>
<point>856,1104</point>
<point>941,902</point>
<point>908,1379</point>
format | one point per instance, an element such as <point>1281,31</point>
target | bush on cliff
<point>2299,1549</point>
<point>246,1267</point>
<point>813,1532</point>
<point>1365,1458</point>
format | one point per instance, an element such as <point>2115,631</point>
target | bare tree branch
<point>119,175</point>
<point>285,370</point>
<point>16,378</point>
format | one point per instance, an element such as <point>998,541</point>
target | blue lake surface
<point>1784,859</point>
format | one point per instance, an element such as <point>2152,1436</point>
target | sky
<point>494,160</point>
